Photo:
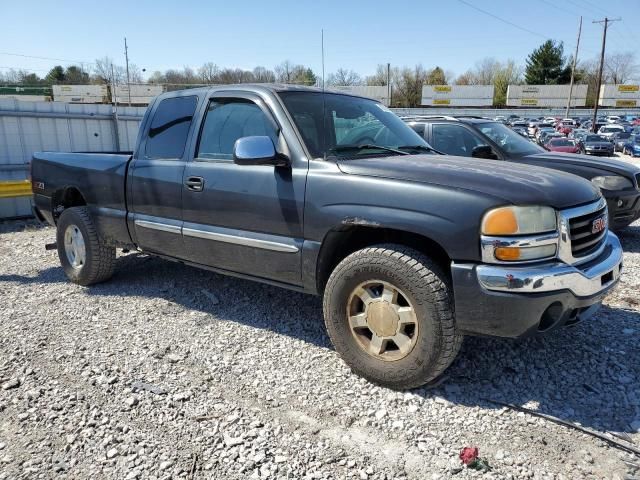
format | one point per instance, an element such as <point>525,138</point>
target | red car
<point>564,145</point>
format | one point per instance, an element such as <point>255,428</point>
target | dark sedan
<point>596,145</point>
<point>483,138</point>
<point>620,140</point>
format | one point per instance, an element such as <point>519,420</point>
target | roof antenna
<point>322,43</point>
<point>324,110</point>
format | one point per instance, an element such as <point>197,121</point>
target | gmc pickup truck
<point>286,185</point>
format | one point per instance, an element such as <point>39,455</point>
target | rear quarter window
<point>169,130</point>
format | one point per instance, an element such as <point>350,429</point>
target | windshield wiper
<point>366,146</point>
<point>420,147</point>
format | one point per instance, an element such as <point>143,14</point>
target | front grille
<point>583,241</point>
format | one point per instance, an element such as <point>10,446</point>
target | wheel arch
<point>66,197</point>
<point>340,242</point>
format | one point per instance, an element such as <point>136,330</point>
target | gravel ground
<point>168,371</point>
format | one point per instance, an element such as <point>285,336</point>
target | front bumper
<point>518,301</point>
<point>623,207</point>
<point>608,152</point>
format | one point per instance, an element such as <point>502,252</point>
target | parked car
<point>612,118</point>
<point>596,145</point>
<point>521,131</point>
<point>632,147</point>
<point>544,137</point>
<point>619,140</point>
<point>565,126</point>
<point>608,131</point>
<point>562,145</point>
<point>478,137</point>
<point>578,134</point>
<point>532,127</point>
<point>543,132</point>
<point>254,181</point>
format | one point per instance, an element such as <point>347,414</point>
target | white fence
<point>28,127</point>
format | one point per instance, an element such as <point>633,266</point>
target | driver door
<point>242,218</point>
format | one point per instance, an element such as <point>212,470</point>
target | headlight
<point>507,234</point>
<point>612,182</point>
<point>519,221</point>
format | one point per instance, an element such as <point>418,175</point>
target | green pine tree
<point>546,65</point>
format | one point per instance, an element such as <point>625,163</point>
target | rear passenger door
<point>155,177</point>
<point>245,219</point>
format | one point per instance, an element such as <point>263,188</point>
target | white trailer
<point>81,93</point>
<point>545,95</point>
<point>140,94</point>
<point>379,93</point>
<point>626,96</point>
<point>457,95</point>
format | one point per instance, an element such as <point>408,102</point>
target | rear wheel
<point>389,313</point>
<point>84,258</point>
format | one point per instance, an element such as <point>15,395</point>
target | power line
<point>592,6</point>
<point>503,20</point>
<point>45,58</point>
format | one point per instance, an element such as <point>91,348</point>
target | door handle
<point>195,184</point>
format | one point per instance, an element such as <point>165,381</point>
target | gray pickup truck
<point>410,250</point>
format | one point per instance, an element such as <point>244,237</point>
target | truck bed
<point>55,175</point>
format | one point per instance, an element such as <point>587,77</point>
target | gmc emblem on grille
<point>599,224</point>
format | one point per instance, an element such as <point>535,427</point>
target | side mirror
<point>257,150</point>
<point>483,151</point>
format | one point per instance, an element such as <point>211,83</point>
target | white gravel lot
<point>168,371</point>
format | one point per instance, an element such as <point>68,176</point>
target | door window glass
<point>454,140</point>
<point>226,121</point>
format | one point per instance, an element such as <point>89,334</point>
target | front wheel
<point>389,313</point>
<point>84,258</point>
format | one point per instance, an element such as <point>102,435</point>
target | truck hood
<point>513,183</point>
<point>595,165</point>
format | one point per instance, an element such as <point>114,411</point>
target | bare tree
<point>407,86</point>
<point>263,75</point>
<point>466,78</point>
<point>105,71</point>
<point>343,77</point>
<point>135,74</point>
<point>620,67</point>
<point>507,74</point>
<point>379,78</point>
<point>208,72</point>
<point>285,72</point>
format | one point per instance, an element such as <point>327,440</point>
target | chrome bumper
<point>583,281</point>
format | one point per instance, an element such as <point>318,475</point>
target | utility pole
<point>114,98</point>
<point>573,69</point>
<point>389,84</point>
<point>606,23</point>
<point>126,56</point>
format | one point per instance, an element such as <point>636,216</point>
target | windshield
<point>595,138</point>
<point>511,142</point>
<point>562,142</point>
<point>350,122</point>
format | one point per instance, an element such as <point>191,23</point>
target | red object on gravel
<point>468,455</point>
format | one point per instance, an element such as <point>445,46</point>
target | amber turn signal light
<point>501,221</point>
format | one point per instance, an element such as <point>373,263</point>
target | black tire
<point>427,288</point>
<point>100,259</point>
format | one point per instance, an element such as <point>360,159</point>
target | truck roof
<point>260,87</point>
